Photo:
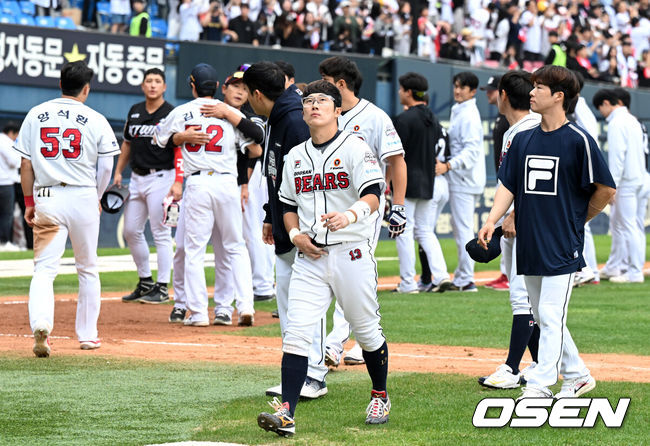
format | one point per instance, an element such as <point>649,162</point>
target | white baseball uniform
<point>212,202</point>
<point>374,126</point>
<point>65,142</point>
<point>338,173</point>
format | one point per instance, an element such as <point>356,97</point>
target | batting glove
<point>396,220</point>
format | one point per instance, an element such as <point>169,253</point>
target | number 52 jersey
<point>63,139</point>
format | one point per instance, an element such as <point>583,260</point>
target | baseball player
<point>211,197</point>
<point>331,186</point>
<point>152,177</point>
<point>557,179</point>
<point>420,132</point>
<point>374,126</point>
<point>466,175</point>
<point>271,95</point>
<point>513,101</point>
<point>67,150</point>
<point>626,156</point>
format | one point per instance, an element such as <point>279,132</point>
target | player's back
<point>63,138</point>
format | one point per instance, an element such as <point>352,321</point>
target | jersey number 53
<point>52,136</point>
<point>216,133</point>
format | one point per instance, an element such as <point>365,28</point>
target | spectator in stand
<point>514,40</point>
<point>557,54</point>
<point>173,20</point>
<point>265,29</point>
<point>288,31</point>
<point>347,28</point>
<point>452,49</point>
<point>427,34</point>
<point>9,164</point>
<point>216,24</point>
<point>233,9</point>
<point>643,71</point>
<point>140,23</point>
<point>500,28</point>
<point>531,24</point>
<point>47,7</point>
<point>640,35</point>
<point>241,29</point>
<point>610,73</point>
<point>627,63</point>
<point>120,12</point>
<point>402,29</point>
<point>188,11</point>
<point>322,16</point>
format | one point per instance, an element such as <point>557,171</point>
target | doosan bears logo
<point>313,183</point>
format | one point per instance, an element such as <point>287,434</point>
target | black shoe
<point>275,314</point>
<point>157,295</point>
<point>469,288</point>
<point>177,316</point>
<point>259,298</point>
<point>140,290</point>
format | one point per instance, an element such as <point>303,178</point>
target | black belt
<point>321,245</point>
<point>208,172</point>
<point>145,172</point>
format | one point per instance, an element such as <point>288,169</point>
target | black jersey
<point>138,130</point>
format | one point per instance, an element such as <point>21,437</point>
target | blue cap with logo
<point>203,76</point>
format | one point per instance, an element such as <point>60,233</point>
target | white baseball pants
<point>549,299</point>
<point>420,214</point>
<point>146,195</point>
<point>589,251</point>
<point>212,202</point>
<point>518,293</point>
<point>625,227</point>
<point>261,254</point>
<point>462,219</point>
<point>349,273</point>
<point>284,264</point>
<point>64,211</point>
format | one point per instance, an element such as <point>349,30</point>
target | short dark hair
<point>558,78</point>
<point>204,92</point>
<point>286,68</point>
<point>553,33</point>
<point>11,126</point>
<point>466,79</point>
<point>321,86</point>
<point>156,71</point>
<point>581,79</point>
<point>416,83</point>
<point>623,96</point>
<point>266,77</point>
<point>605,94</point>
<point>517,86</point>
<point>74,77</point>
<point>340,67</point>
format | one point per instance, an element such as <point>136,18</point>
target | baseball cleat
<point>469,288</point>
<point>177,315</point>
<point>313,389</point>
<point>498,281</point>
<point>191,322</point>
<point>141,289</point>
<point>222,318</point>
<point>157,295</point>
<point>403,291</point>
<point>573,388</point>
<point>424,287</point>
<point>531,392</point>
<point>503,378</point>
<point>332,357</point>
<point>90,345</point>
<point>275,313</point>
<point>378,409</point>
<point>41,343</point>
<point>442,286</point>
<point>246,320</point>
<point>354,356</point>
<point>281,422</point>
<point>624,279</point>
<point>263,298</point>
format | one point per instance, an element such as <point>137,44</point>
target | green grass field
<point>108,401</point>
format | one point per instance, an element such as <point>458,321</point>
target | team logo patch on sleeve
<point>296,164</point>
<point>541,174</point>
<point>356,128</point>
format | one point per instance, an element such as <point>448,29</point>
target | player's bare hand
<point>441,168</point>
<point>29,216</point>
<point>194,136</point>
<point>117,179</point>
<point>267,234</point>
<point>304,244</point>
<point>485,235</point>
<point>218,110</point>
<point>508,226</point>
<point>176,191</point>
<point>334,221</point>
<point>244,196</point>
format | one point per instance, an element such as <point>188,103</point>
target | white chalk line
<point>21,302</point>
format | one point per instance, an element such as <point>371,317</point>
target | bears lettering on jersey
<point>313,183</point>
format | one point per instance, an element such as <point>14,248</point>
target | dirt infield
<point>142,331</point>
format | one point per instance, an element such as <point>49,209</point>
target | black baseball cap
<point>482,255</point>
<point>203,76</point>
<point>492,83</point>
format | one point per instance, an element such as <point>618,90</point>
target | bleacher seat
<point>159,28</point>
<point>11,8</point>
<point>28,8</point>
<point>153,9</point>
<point>24,19</point>
<point>5,18</point>
<point>65,23</point>
<point>44,21</point>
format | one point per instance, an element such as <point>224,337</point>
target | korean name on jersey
<point>321,182</point>
<point>63,138</point>
<point>217,154</point>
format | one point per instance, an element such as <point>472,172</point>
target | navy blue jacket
<point>285,130</point>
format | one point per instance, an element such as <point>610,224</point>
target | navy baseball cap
<point>482,255</point>
<point>492,83</point>
<point>203,76</point>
